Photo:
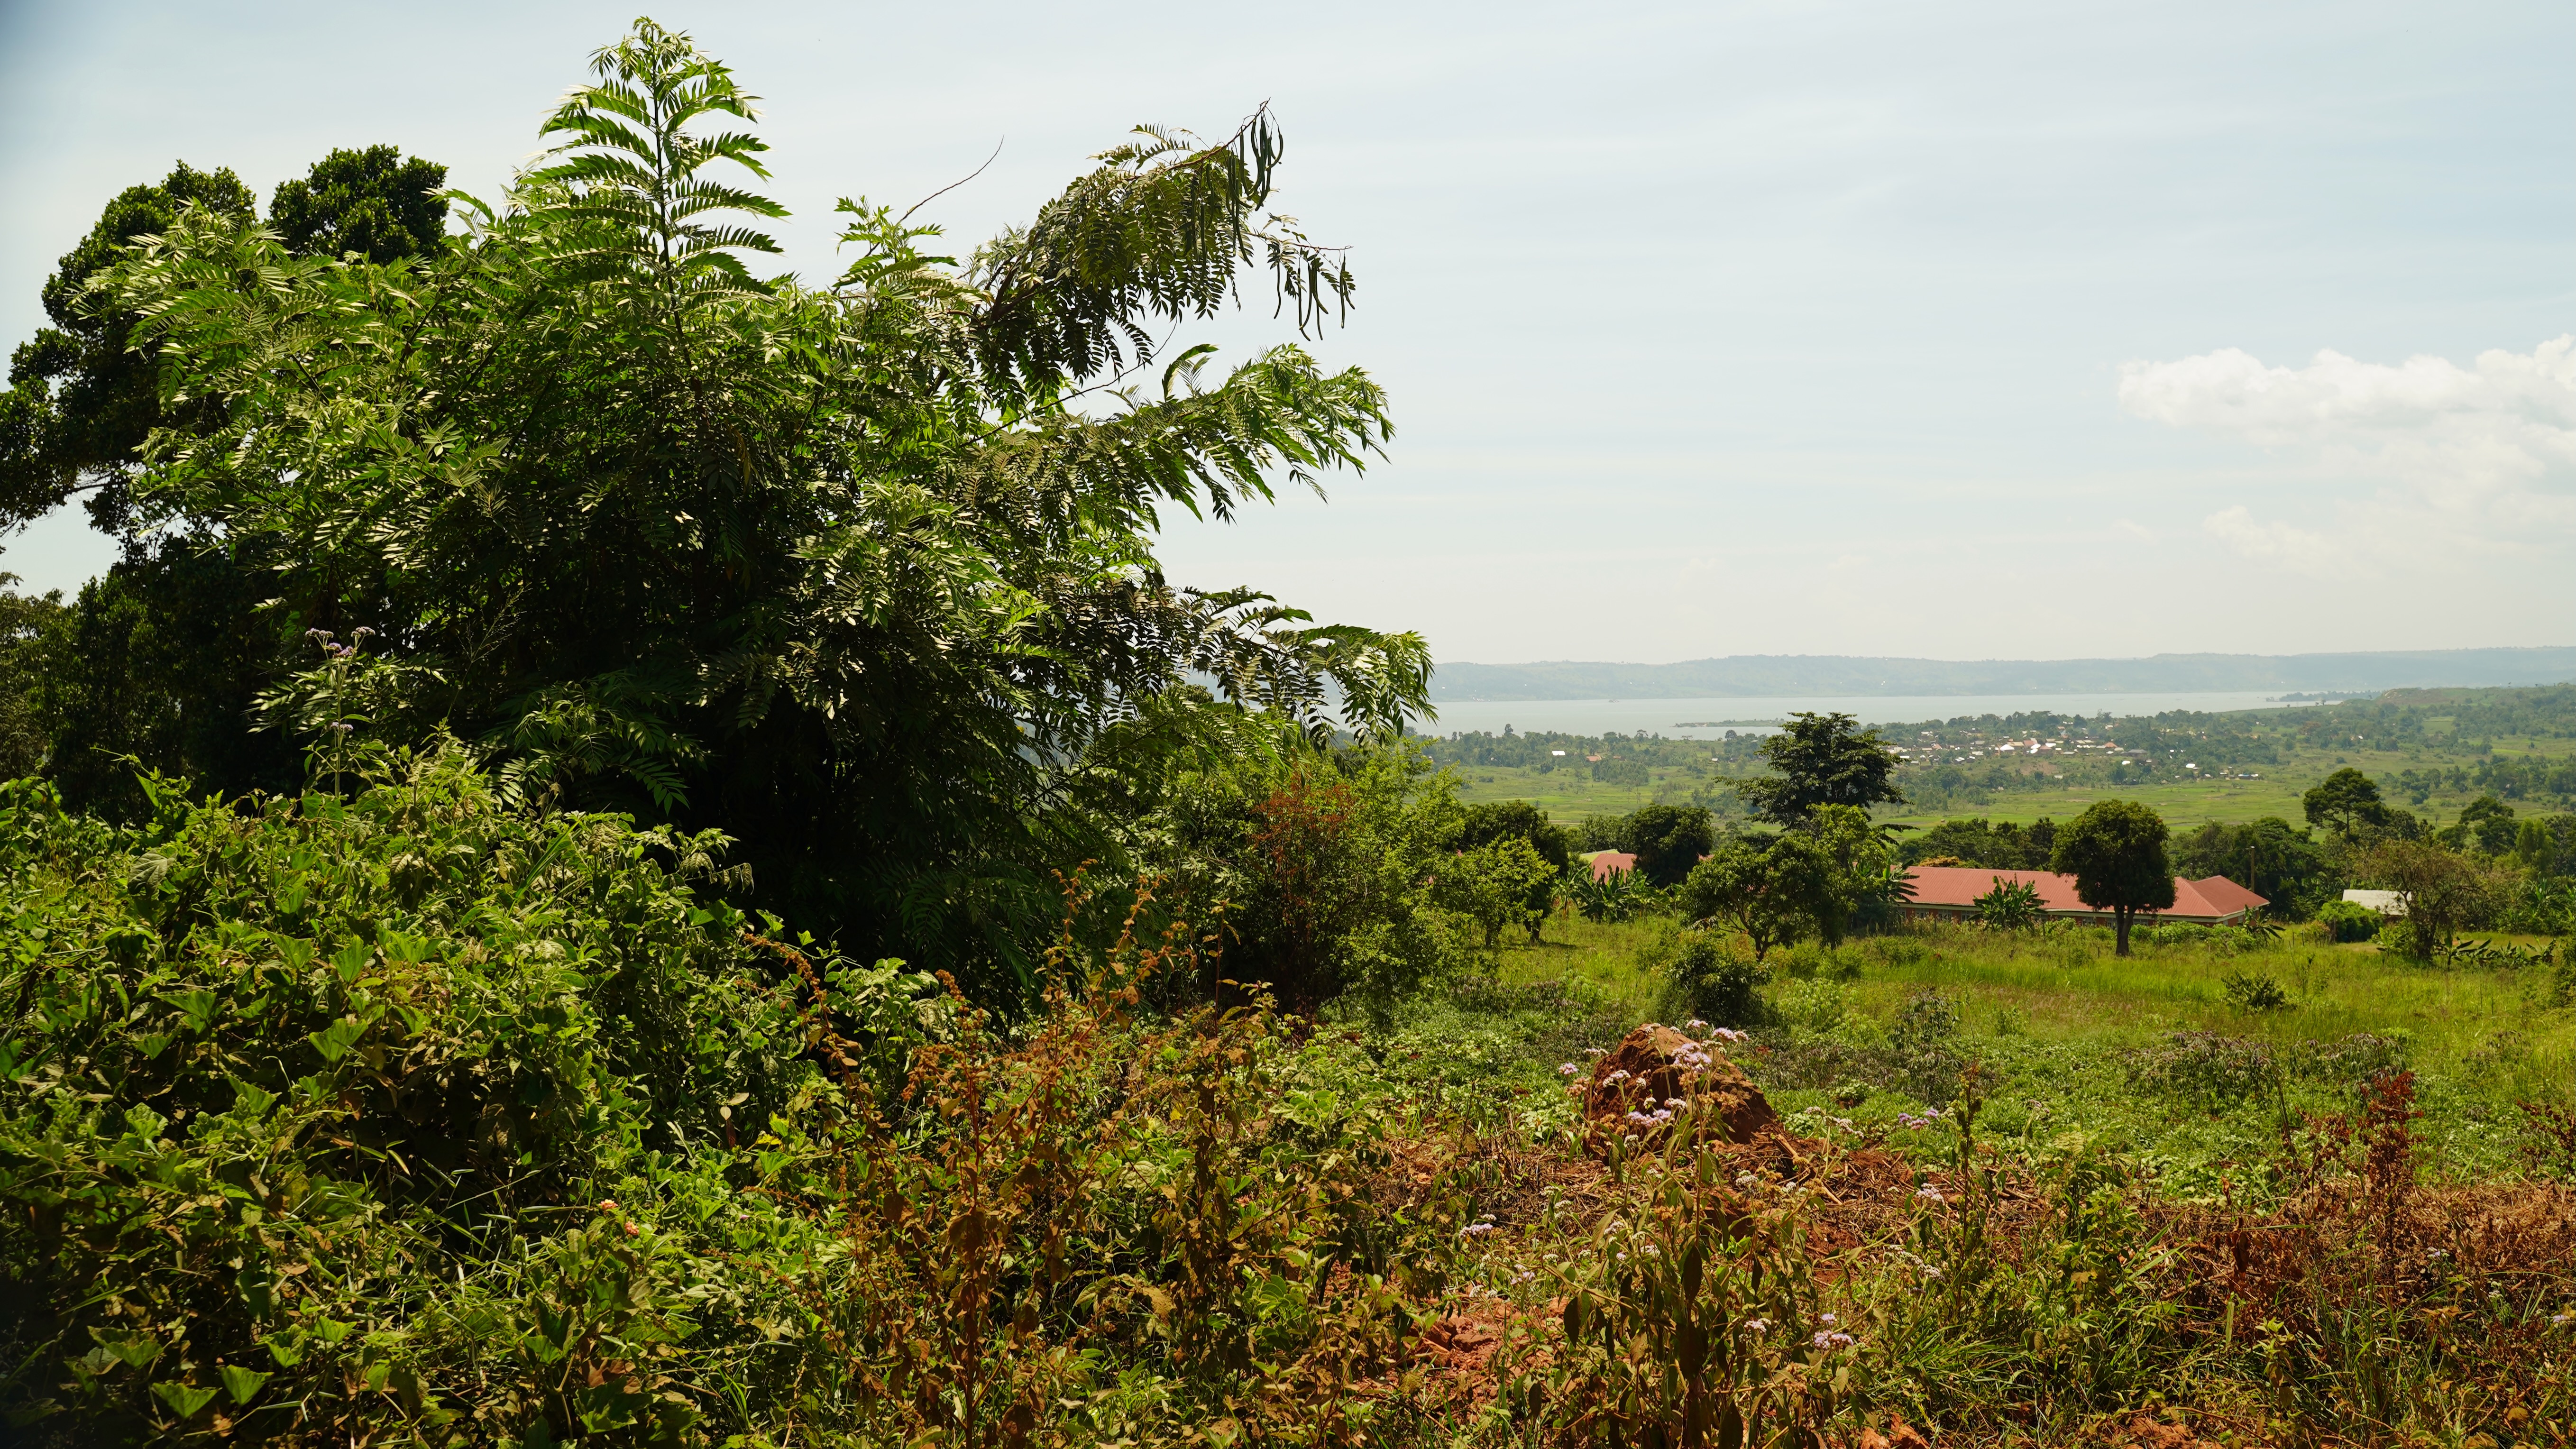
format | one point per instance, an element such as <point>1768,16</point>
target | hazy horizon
<point>2015,659</point>
<point>2006,330</point>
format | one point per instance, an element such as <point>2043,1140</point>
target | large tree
<point>160,659</point>
<point>2269,857</point>
<point>2346,800</point>
<point>84,393</point>
<point>377,203</point>
<point>1821,759</point>
<point>2116,852</point>
<point>861,573</point>
<point>82,396</point>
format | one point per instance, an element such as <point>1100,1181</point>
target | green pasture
<point>1566,795</point>
<point>2069,1030</point>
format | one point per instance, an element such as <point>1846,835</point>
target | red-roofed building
<point>1952,890</point>
<point>1608,861</point>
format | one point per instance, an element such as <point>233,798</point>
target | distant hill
<point>1830,674</point>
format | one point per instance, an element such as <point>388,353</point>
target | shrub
<point>1815,1006</point>
<point>1691,1315</point>
<point>2255,991</point>
<point>1708,977</point>
<point>2349,1060</point>
<point>1927,1062</point>
<point>308,1103</point>
<point>1900,949</point>
<point>2205,1067</point>
<point>1332,875</point>
<point>2348,921</point>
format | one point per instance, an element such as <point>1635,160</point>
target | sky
<point>1979,330</point>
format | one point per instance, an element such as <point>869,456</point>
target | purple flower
<point>1929,1193</point>
<point>1831,1340</point>
<point>1567,1069</point>
<point>1757,1325</point>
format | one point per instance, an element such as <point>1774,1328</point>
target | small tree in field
<point>1500,884</point>
<point>1773,894</point>
<point>2446,892</point>
<point>1668,840</point>
<point>2116,852</point>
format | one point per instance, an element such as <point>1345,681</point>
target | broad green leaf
<point>185,1400</point>
<point>244,1384</point>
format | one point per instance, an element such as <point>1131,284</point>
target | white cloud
<point>2237,528</point>
<point>2462,462</point>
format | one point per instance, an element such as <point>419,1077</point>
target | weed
<point>2255,991</point>
<point>2205,1067</point>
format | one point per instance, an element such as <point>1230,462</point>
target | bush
<point>1333,875</point>
<point>407,1118</point>
<point>2349,1061</point>
<point>2348,921</point>
<point>1927,1062</point>
<point>2255,991</point>
<point>1707,976</point>
<point>1814,1007</point>
<point>308,1103</point>
<point>2209,1069</point>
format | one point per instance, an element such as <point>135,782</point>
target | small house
<point>1952,890</point>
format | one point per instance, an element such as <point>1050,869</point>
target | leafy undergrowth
<point>407,1119</point>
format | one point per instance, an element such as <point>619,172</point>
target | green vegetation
<point>2063,1020</point>
<point>640,856</point>
<point>2517,744</point>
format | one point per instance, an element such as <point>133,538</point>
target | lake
<point>1712,718</point>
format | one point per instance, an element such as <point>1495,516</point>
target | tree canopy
<point>1822,759</point>
<point>2347,800</point>
<point>860,574</point>
<point>81,397</point>
<point>2116,852</point>
<point>1770,891</point>
<point>1668,840</point>
<point>376,203</point>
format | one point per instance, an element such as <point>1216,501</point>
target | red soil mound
<point>1636,1089</point>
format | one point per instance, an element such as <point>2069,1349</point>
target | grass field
<point>2073,1031</point>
